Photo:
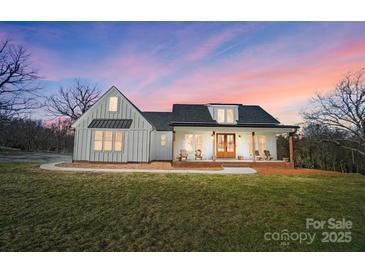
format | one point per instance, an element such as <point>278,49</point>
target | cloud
<point>276,65</point>
<point>268,82</point>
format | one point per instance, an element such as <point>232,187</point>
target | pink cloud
<point>274,86</point>
<point>210,45</point>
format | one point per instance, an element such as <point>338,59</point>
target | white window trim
<point>103,140</point>
<point>109,104</point>
<point>115,141</point>
<point>225,110</point>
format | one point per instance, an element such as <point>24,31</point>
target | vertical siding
<point>158,152</point>
<point>135,143</point>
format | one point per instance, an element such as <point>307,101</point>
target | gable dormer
<point>224,113</point>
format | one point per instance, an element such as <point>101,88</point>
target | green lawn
<point>53,211</point>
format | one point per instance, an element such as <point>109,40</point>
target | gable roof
<point>199,115</point>
<point>160,120</point>
<point>113,88</point>
<point>183,113</point>
<point>248,116</point>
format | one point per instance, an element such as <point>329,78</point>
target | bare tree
<point>18,81</point>
<point>73,102</point>
<point>343,111</point>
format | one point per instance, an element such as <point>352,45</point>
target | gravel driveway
<point>35,157</point>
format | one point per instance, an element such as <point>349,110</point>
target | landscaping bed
<point>152,165</point>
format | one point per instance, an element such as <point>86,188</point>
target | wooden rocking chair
<point>257,155</point>
<point>183,155</point>
<point>268,155</point>
<point>198,154</point>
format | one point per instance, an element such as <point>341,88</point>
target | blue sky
<point>278,65</point>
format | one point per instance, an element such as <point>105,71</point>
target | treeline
<point>312,151</point>
<point>31,135</point>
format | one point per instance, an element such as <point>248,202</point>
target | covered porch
<point>226,146</point>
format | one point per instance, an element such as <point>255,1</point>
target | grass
<point>53,211</point>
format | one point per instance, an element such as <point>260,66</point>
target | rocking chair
<point>198,154</point>
<point>183,155</point>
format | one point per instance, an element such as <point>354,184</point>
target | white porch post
<point>214,156</point>
<point>173,146</point>
<point>253,146</point>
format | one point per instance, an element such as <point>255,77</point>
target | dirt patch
<point>152,165</point>
<point>296,171</point>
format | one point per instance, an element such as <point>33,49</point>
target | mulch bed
<point>167,165</point>
<point>152,165</point>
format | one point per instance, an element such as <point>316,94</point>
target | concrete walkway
<point>226,170</point>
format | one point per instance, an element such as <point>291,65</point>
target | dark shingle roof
<point>254,114</point>
<point>160,120</point>
<point>110,123</point>
<point>191,113</point>
<point>200,114</point>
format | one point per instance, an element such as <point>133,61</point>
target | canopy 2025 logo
<point>332,231</point>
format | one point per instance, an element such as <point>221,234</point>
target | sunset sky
<point>276,65</point>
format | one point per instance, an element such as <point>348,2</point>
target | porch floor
<point>222,160</point>
<point>233,163</point>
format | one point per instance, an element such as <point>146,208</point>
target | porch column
<point>214,156</point>
<point>173,146</point>
<point>253,146</point>
<point>291,147</point>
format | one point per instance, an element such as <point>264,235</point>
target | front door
<point>226,145</point>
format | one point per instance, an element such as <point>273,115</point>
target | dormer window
<point>225,116</point>
<point>113,103</point>
<point>230,116</point>
<point>220,115</point>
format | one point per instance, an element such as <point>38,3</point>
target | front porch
<point>229,147</point>
<point>232,163</point>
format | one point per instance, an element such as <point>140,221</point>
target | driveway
<point>35,157</point>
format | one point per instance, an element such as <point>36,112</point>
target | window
<point>230,116</point>
<point>220,115</point>
<point>163,140</point>
<point>262,144</point>
<point>118,141</point>
<point>113,104</point>
<point>225,116</point>
<point>220,147</point>
<point>198,142</point>
<point>188,142</point>
<point>108,140</point>
<point>98,141</point>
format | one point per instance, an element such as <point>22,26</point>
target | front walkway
<point>226,170</point>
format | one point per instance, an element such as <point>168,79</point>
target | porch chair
<point>183,155</point>
<point>257,155</point>
<point>198,154</point>
<point>268,155</point>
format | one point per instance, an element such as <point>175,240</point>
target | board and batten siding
<point>159,152</point>
<point>136,139</point>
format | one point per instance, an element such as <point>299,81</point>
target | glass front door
<point>226,145</point>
